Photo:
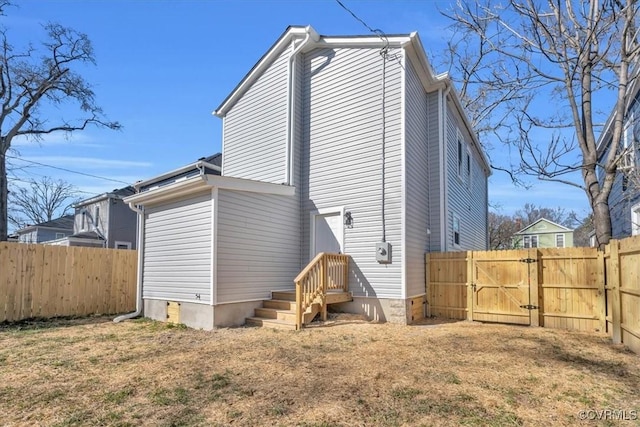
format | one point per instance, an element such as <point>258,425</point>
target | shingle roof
<point>64,222</point>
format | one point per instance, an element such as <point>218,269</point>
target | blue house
<point>624,200</point>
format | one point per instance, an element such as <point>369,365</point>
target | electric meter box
<point>383,252</point>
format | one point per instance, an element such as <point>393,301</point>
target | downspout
<point>141,223</point>
<point>291,104</point>
<point>445,172</point>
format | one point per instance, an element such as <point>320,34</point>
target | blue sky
<point>164,66</point>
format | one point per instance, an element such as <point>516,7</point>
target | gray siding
<point>258,245</point>
<point>466,195</point>
<point>417,185</point>
<point>178,250</point>
<point>122,224</point>
<point>434,170</point>
<point>341,158</point>
<point>255,129</point>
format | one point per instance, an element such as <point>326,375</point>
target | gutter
<point>196,165</point>
<point>141,224</point>
<point>291,95</point>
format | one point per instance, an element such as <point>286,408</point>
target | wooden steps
<point>279,312</point>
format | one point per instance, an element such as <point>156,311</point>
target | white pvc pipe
<point>141,223</point>
<point>290,105</point>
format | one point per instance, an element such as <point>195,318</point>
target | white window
<point>560,240</point>
<point>456,231</point>
<point>530,242</point>
<point>635,220</point>
<point>59,235</point>
<point>84,220</point>
<point>468,168</point>
<point>459,156</point>
<point>96,217</point>
<point>122,245</point>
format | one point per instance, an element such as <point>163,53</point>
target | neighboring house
<point>103,221</point>
<point>46,231</point>
<point>307,168</point>
<point>624,200</point>
<point>543,234</point>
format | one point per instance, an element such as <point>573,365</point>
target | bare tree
<point>501,231</point>
<point>40,201</point>
<point>33,78</point>
<point>538,68</point>
<point>530,213</point>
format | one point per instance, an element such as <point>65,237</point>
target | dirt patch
<point>344,372</point>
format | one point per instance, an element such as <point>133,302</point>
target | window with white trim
<point>635,220</point>
<point>459,155</point>
<point>96,217</point>
<point>84,220</point>
<point>59,235</point>
<point>122,245</point>
<point>560,240</point>
<point>456,230</point>
<point>530,242</point>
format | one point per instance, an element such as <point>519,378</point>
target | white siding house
<point>321,129</point>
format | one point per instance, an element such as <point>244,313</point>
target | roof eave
<point>263,63</point>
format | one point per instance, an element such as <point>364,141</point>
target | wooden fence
<point>49,281</point>
<point>568,288</point>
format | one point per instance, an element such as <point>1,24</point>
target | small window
<point>122,245</point>
<point>530,242</point>
<point>96,217</point>
<point>84,220</point>
<point>635,220</point>
<point>560,240</point>
<point>456,230</point>
<point>59,235</point>
<point>625,182</point>
<point>459,156</point>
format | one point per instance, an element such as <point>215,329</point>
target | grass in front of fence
<point>93,372</point>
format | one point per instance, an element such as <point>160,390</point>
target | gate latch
<point>529,260</point>
<point>530,307</point>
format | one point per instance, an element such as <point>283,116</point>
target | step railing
<point>326,272</point>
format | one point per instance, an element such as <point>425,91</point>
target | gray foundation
<point>378,309</point>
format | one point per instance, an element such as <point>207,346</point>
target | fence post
<point>426,284</point>
<point>470,284</point>
<point>602,321</point>
<point>534,291</point>
<point>324,274</point>
<point>614,286</point>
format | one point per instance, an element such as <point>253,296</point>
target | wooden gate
<point>502,290</point>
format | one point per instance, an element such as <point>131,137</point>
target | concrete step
<point>270,323</point>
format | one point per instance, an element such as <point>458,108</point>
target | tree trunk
<point>602,223</point>
<point>3,197</point>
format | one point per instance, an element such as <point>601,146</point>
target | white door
<point>327,233</point>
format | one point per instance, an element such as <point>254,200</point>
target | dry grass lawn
<point>347,372</point>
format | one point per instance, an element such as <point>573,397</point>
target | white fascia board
<point>524,230</point>
<point>263,64</point>
<point>200,183</point>
<point>181,188</point>
<point>240,184</point>
<point>368,41</point>
<point>177,171</point>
